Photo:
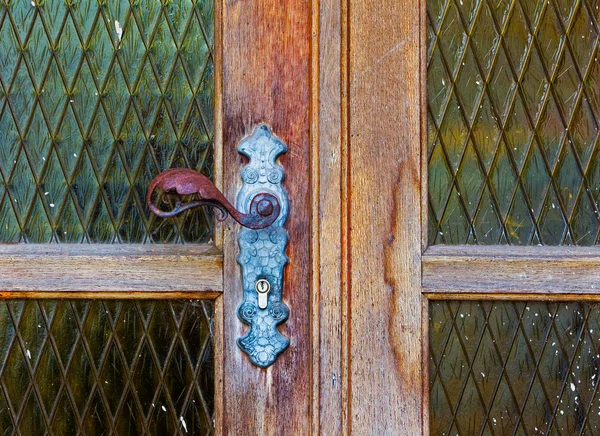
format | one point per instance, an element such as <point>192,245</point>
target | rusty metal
<point>262,207</point>
<point>263,211</point>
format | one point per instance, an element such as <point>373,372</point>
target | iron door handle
<point>262,208</point>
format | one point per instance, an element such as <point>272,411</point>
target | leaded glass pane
<point>513,106</point>
<point>513,368</point>
<point>96,98</point>
<point>106,367</point>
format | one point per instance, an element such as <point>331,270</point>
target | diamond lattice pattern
<point>513,110</point>
<point>96,98</point>
<point>514,368</point>
<point>106,367</point>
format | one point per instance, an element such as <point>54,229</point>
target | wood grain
<point>121,269</point>
<point>315,180</point>
<point>218,170</point>
<point>346,190</point>
<point>328,157</point>
<point>218,359</point>
<point>441,296</point>
<point>266,78</point>
<point>135,295</point>
<point>386,332</point>
<point>510,270</point>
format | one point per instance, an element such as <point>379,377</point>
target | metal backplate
<point>262,252</point>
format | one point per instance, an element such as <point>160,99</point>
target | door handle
<point>264,207</point>
<point>261,209</point>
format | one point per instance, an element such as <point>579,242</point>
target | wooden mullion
<point>219,366</point>
<point>513,251</point>
<point>504,296</point>
<point>509,272</point>
<point>110,271</point>
<point>330,247</point>
<point>137,295</point>
<point>219,170</point>
<point>386,392</point>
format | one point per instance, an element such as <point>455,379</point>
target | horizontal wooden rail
<point>110,271</point>
<point>511,272</point>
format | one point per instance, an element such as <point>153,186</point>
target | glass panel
<point>96,98</point>
<point>506,368</point>
<point>513,106</point>
<point>106,367</point>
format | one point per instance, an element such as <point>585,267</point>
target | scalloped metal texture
<point>96,98</point>
<point>513,113</point>
<point>262,252</point>
<point>106,367</point>
<point>514,368</point>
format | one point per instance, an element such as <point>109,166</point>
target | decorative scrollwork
<point>247,311</point>
<point>262,208</point>
<point>262,252</point>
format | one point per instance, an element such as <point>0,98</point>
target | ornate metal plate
<point>262,252</point>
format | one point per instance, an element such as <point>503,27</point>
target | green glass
<point>513,106</point>
<point>106,367</point>
<point>514,368</point>
<point>96,98</point>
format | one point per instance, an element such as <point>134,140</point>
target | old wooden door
<point>473,226</point>
<point>115,321</point>
<point>468,161</point>
<point>442,174</point>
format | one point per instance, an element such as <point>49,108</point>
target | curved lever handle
<point>264,207</point>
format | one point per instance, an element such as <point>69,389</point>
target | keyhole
<point>262,288</point>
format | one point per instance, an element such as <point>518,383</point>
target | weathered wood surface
<point>497,269</point>
<point>266,78</point>
<point>386,333</point>
<point>329,230</point>
<point>127,270</point>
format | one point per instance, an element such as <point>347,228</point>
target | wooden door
<point>115,321</point>
<point>471,156</point>
<point>464,137</point>
<point>442,170</point>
